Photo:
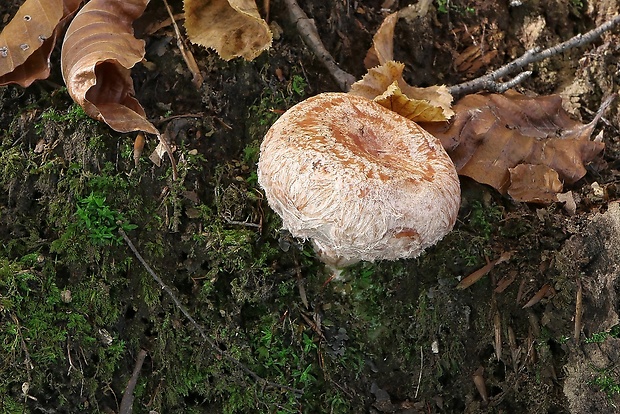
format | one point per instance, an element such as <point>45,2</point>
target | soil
<point>77,306</point>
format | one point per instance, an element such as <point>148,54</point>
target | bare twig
<point>578,311</point>
<point>420,376</point>
<point>188,57</point>
<point>488,81</point>
<point>127,401</point>
<point>265,383</point>
<point>310,35</point>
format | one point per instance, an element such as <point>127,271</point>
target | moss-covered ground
<point>269,333</point>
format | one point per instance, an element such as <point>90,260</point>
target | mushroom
<point>359,180</point>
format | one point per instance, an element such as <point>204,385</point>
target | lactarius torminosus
<point>359,180</point>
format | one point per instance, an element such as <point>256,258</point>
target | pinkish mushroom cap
<point>359,180</point>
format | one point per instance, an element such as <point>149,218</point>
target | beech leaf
<point>415,109</point>
<point>27,41</point>
<point>382,49</point>
<point>385,84</point>
<point>492,134</point>
<point>417,104</point>
<point>233,28</point>
<point>98,53</point>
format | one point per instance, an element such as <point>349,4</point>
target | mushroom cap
<point>359,180</point>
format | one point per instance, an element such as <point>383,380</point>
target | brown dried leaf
<point>97,55</point>
<point>544,291</point>
<point>506,281</point>
<point>382,49</point>
<point>534,183</point>
<point>483,271</point>
<point>476,276</point>
<point>29,38</point>
<point>232,27</point>
<point>478,378</point>
<point>385,84</point>
<point>491,134</point>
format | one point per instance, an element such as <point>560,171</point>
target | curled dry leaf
<point>232,27</point>
<point>385,84</point>
<point>385,76</point>
<point>382,49</point>
<point>97,54</point>
<point>29,38</point>
<point>492,134</point>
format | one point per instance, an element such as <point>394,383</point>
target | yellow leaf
<point>376,85</point>
<point>415,109</point>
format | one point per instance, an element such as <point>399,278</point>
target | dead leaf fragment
<point>27,41</point>
<point>478,378</point>
<point>480,273</point>
<point>97,55</point>
<point>570,204</point>
<point>534,183</point>
<point>382,49</point>
<point>475,276</point>
<point>506,281</point>
<point>491,134</point>
<point>545,291</point>
<point>474,58</point>
<point>497,333</point>
<point>233,28</point>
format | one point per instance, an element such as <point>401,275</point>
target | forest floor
<point>77,306</point>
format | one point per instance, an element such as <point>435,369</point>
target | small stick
<point>197,78</point>
<point>158,122</point>
<point>265,383</point>
<point>531,56</point>
<point>310,35</point>
<point>127,401</point>
<point>578,311</point>
<point>419,376</point>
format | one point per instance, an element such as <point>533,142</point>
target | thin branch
<point>188,57</point>
<point>127,401</point>
<point>310,35</point>
<point>265,383</point>
<point>420,376</point>
<point>531,56</point>
<point>158,122</point>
